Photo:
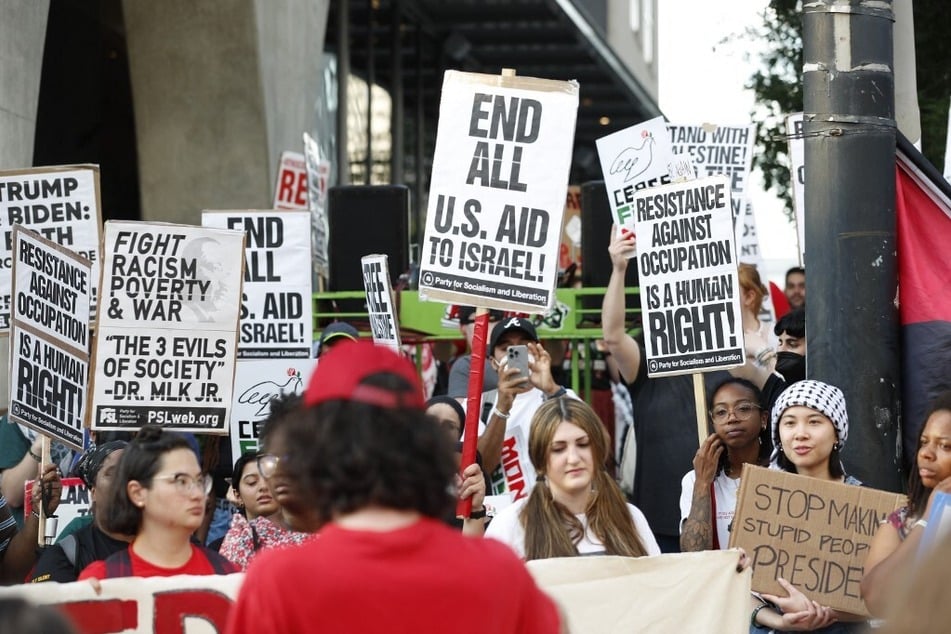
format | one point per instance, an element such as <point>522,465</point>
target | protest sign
<point>276,304</point>
<point>751,254</point>
<point>813,533</point>
<point>718,150</point>
<point>49,335</point>
<point>684,592</point>
<point>384,323</point>
<point>73,504</point>
<point>290,190</point>
<point>633,159</point>
<point>318,180</point>
<point>256,384</point>
<point>61,204</point>
<point>167,336</point>
<point>797,176</point>
<point>184,604</point>
<point>689,289</point>
<point>497,193</point>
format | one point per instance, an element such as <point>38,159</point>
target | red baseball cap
<point>339,377</point>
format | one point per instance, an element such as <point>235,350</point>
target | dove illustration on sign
<point>634,161</point>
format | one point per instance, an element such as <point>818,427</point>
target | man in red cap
<point>381,472</point>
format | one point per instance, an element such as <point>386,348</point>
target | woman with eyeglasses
<point>261,523</point>
<point>708,493</point>
<point>159,498</point>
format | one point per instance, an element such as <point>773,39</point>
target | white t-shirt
<point>507,528</point>
<point>724,488</point>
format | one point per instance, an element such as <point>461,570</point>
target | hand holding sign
<point>623,247</point>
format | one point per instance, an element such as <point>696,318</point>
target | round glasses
<point>742,410</point>
<point>185,483</point>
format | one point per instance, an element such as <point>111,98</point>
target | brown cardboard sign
<point>813,533</point>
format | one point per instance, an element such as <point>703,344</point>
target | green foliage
<point>778,85</point>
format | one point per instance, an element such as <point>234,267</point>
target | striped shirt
<point>8,526</point>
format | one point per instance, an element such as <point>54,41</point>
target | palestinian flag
<point>923,206</point>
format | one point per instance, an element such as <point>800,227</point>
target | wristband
<point>33,455</point>
<point>477,515</point>
<point>558,394</point>
<point>756,610</point>
<point>497,412</point>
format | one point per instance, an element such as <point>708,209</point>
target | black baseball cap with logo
<point>508,325</point>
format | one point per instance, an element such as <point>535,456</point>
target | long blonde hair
<point>750,280</point>
<point>551,530</point>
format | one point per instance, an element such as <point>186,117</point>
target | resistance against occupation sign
<point>52,290</point>
<point>500,174</point>
<point>631,160</point>
<point>59,203</point>
<point>165,349</point>
<point>384,322</point>
<point>689,287</point>
<point>718,150</point>
<point>276,307</point>
<point>256,384</point>
<point>813,533</point>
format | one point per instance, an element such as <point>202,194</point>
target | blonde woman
<point>575,508</point>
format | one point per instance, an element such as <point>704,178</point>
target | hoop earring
<point>836,447</point>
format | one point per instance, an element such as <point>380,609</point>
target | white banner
<point>690,294</point>
<point>186,604</point>
<point>719,150</point>
<point>167,336</point>
<point>49,360</point>
<point>384,322</point>
<point>59,203</point>
<point>633,159</point>
<point>318,178</point>
<point>256,384</point>
<point>797,159</point>
<point>290,190</point>
<point>497,195</point>
<point>277,307</point>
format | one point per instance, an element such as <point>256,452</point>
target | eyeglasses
<point>742,410</point>
<point>267,464</point>
<point>185,483</point>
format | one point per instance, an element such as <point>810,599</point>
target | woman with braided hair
<point>576,507</point>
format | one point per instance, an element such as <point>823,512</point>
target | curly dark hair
<point>139,462</point>
<point>350,455</point>
<point>918,493</point>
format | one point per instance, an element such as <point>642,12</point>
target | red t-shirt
<point>197,564</point>
<point>422,578</point>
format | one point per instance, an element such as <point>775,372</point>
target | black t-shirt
<point>91,545</point>
<point>666,428</point>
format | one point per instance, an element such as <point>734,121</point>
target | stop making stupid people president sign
<point>500,175</point>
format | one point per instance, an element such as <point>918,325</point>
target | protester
<point>795,289</point>
<point>20,453</point>
<point>285,484</point>
<point>462,367</point>
<point>261,525</point>
<point>810,425</point>
<point>63,561</point>
<point>760,342</point>
<point>18,545</point>
<point>708,492</point>
<point>518,397</point>
<point>576,507</point>
<point>472,482</point>
<point>894,550</point>
<point>159,497</point>
<point>333,334</point>
<point>380,472</point>
<point>665,422</point>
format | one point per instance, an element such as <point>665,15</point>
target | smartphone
<point>518,358</point>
